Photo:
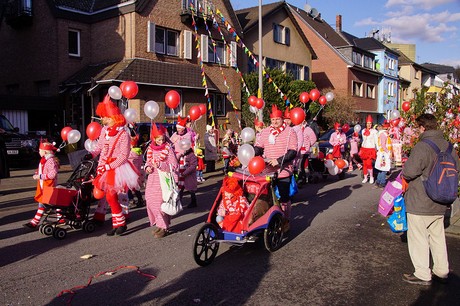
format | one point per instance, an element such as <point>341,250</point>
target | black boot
<point>140,200</point>
<point>193,202</point>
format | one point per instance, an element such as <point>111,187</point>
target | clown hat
<point>337,126</point>
<point>287,113</point>
<point>155,132</point>
<point>276,113</point>
<point>47,146</point>
<point>369,119</point>
<point>107,108</point>
<point>181,122</point>
<point>231,185</point>
<point>258,123</point>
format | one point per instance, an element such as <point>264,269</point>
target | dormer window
<point>281,34</point>
<point>74,42</point>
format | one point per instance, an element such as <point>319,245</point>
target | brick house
<point>341,66</point>
<point>62,58</point>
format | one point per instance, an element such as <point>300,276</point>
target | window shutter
<point>287,36</point>
<point>233,53</point>
<point>151,37</point>
<point>275,32</point>
<point>204,48</point>
<point>187,44</point>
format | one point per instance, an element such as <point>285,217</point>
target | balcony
<point>201,9</point>
<point>18,13</point>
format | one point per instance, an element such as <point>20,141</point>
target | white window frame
<point>152,37</point>
<point>78,37</point>
<point>357,89</point>
<point>204,48</point>
<point>281,34</point>
<point>188,44</point>
<point>370,88</point>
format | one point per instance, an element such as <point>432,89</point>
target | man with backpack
<point>425,213</point>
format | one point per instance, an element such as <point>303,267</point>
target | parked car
<point>21,149</point>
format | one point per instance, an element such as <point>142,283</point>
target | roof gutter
<point>97,12</point>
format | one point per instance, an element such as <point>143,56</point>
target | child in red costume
<point>232,207</point>
<point>368,151</point>
<point>115,174</point>
<point>46,176</point>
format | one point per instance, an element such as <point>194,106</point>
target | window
<point>273,63</point>
<point>219,55</point>
<point>370,91</point>
<point>251,65</point>
<point>202,6</point>
<point>357,89</point>
<point>281,34</point>
<point>418,73</point>
<point>356,58</point>
<point>218,104</point>
<point>12,89</point>
<point>294,69</point>
<point>74,42</point>
<point>391,89</point>
<point>166,41</point>
<point>368,62</point>
<point>306,73</point>
<point>43,88</point>
<point>169,112</point>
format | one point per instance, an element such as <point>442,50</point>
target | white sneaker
<point>371,180</point>
<point>364,180</point>
<point>202,179</point>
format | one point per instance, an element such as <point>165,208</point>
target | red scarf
<point>367,132</point>
<point>277,131</point>
<point>163,148</point>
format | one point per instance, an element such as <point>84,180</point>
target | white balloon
<point>184,144</point>
<point>151,109</point>
<point>329,163</point>
<point>247,134</point>
<point>73,136</point>
<point>357,128</point>
<point>245,154</point>
<point>253,109</point>
<point>333,170</point>
<point>90,145</point>
<point>115,92</point>
<point>130,114</point>
<point>329,96</point>
<point>395,114</point>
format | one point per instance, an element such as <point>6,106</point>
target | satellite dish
<point>314,13</point>
<point>307,8</point>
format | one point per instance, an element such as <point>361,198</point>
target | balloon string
<point>321,108</point>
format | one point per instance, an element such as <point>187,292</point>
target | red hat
<point>155,132</point>
<point>181,122</point>
<point>276,113</point>
<point>337,126</point>
<point>47,146</point>
<point>107,108</point>
<point>231,185</point>
<point>258,123</point>
<point>287,113</point>
<point>369,119</point>
<point>385,124</point>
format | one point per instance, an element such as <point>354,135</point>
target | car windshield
<point>5,124</point>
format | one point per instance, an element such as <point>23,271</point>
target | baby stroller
<point>263,219</point>
<point>68,206</point>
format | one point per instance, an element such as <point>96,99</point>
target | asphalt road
<point>340,252</point>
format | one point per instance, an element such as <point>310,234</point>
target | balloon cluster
<point>69,136</point>
<point>127,89</point>
<point>394,118</point>
<point>93,131</point>
<point>335,167</point>
<point>255,104</point>
<point>315,95</point>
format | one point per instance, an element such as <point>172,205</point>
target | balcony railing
<point>19,13</point>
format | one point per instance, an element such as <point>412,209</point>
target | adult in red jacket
<point>278,145</point>
<point>115,174</point>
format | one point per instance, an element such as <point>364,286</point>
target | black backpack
<point>442,183</point>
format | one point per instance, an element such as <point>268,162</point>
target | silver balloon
<point>253,109</point>
<point>247,134</point>
<point>395,114</point>
<point>333,170</point>
<point>329,163</point>
<point>130,115</point>
<point>245,154</point>
<point>184,144</point>
<point>115,92</point>
<point>151,109</point>
<point>357,128</point>
<point>90,145</point>
<point>73,136</point>
<point>329,96</point>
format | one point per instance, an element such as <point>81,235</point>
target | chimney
<point>338,23</point>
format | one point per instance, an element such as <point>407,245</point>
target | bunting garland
<point>249,53</point>
<point>200,58</point>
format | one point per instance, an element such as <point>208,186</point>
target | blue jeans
<point>381,178</point>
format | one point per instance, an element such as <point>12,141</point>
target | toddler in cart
<point>46,176</point>
<point>232,207</point>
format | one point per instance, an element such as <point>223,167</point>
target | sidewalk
<point>454,227</point>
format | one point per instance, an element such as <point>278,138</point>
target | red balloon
<point>194,112</point>
<point>405,106</point>
<point>329,156</point>
<point>314,94</point>
<point>322,100</point>
<point>64,132</point>
<point>259,103</point>
<point>98,194</point>
<point>172,99</point>
<point>129,89</point>
<point>395,122</point>
<point>93,130</point>
<point>256,165</point>
<point>297,115</point>
<point>203,108</point>
<point>252,100</point>
<point>345,127</point>
<point>304,97</point>
<point>340,163</point>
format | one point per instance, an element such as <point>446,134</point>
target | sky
<point>432,25</point>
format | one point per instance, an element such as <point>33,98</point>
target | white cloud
<point>423,4</point>
<point>366,22</point>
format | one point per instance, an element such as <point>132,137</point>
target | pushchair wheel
<point>46,229</point>
<point>76,224</point>
<point>205,247</point>
<point>59,233</point>
<point>273,235</point>
<point>89,226</point>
